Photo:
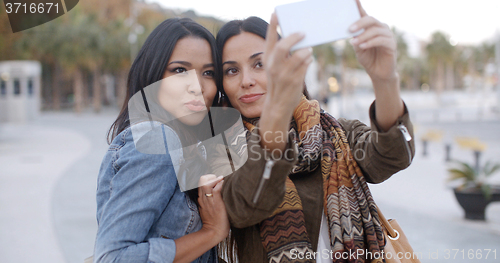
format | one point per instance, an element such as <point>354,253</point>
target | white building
<point>19,90</point>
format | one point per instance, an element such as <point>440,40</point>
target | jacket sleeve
<point>380,154</point>
<point>139,192</point>
<point>240,188</point>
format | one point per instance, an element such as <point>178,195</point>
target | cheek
<point>171,92</point>
<point>230,87</point>
<point>210,90</point>
<point>262,80</point>
<point>164,98</point>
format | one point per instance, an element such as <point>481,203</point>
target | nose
<point>194,86</point>
<point>248,79</point>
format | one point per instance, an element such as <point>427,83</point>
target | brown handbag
<point>397,248</point>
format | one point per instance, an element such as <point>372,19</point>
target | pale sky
<point>468,22</point>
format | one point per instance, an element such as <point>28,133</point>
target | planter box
<point>474,203</point>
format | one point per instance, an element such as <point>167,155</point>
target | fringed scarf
<point>353,221</point>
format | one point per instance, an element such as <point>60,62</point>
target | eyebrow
<point>255,55</point>
<point>251,57</point>
<point>187,64</point>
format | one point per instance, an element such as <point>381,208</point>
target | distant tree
<point>7,38</point>
<point>408,68</point>
<point>483,54</point>
<point>402,46</point>
<point>440,54</point>
<point>89,41</point>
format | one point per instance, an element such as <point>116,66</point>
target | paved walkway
<point>48,181</point>
<point>47,187</point>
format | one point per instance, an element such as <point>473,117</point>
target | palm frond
<point>488,171</point>
<point>456,174</point>
<point>464,170</point>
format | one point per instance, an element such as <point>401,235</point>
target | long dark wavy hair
<point>149,67</point>
<point>255,25</point>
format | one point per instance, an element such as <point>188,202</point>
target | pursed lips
<point>195,105</point>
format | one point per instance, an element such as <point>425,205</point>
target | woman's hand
<point>376,47</point>
<point>212,209</point>
<point>285,82</point>
<point>285,72</point>
<point>215,222</point>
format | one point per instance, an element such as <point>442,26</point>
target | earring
<point>220,96</point>
<point>223,101</point>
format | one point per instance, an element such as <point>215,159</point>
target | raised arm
<point>285,82</point>
<point>376,50</point>
<point>379,153</point>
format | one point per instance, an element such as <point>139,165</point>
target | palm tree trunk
<point>440,77</point>
<point>450,76</point>
<point>121,87</point>
<point>97,90</point>
<point>78,90</point>
<point>415,78</point>
<point>56,87</point>
<point>86,90</point>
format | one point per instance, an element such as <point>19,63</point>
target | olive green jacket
<point>379,154</point>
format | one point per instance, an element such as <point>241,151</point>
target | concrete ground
<point>422,201</point>
<point>49,170</point>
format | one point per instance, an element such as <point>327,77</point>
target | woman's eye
<point>230,71</point>
<point>209,73</point>
<point>259,64</point>
<point>179,70</point>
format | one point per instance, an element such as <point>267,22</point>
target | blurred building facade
<point>20,83</point>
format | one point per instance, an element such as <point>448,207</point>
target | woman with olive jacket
<point>304,186</point>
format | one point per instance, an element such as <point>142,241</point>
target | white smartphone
<point>322,21</point>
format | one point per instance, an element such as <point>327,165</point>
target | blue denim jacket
<point>140,208</point>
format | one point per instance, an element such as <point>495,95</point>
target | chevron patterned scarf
<point>353,221</point>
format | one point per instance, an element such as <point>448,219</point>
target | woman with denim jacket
<point>302,196</point>
<point>143,213</point>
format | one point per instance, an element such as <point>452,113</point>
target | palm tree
<point>409,68</point>
<point>116,55</point>
<point>440,55</point>
<point>7,38</point>
<point>42,43</point>
<point>402,46</point>
<point>484,54</point>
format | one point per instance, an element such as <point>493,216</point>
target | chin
<point>252,112</point>
<point>192,119</point>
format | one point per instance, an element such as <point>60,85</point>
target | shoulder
<point>148,140</point>
<point>146,135</point>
